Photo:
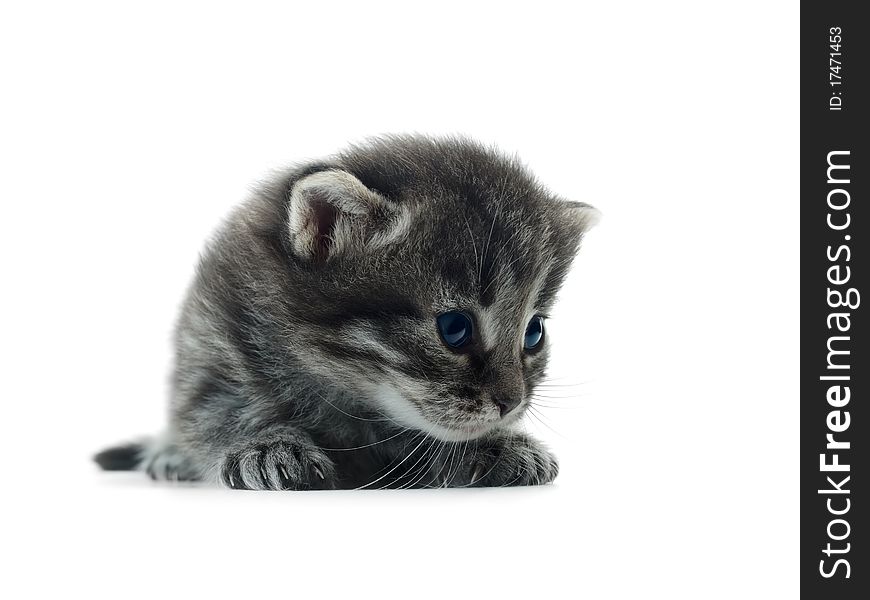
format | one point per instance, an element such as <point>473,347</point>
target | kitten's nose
<point>506,403</point>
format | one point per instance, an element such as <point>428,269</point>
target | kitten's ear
<point>333,213</point>
<point>582,216</point>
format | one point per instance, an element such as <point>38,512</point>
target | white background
<point>127,134</point>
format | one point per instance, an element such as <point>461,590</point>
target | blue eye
<point>455,329</point>
<point>534,333</point>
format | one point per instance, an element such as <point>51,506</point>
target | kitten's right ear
<point>333,213</point>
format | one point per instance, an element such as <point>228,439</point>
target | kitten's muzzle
<point>506,386</point>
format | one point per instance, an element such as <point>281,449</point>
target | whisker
<point>387,419</point>
<point>560,398</point>
<point>449,464</point>
<point>551,384</point>
<point>461,459</point>
<point>427,468</point>
<point>395,435</point>
<point>398,456</point>
<point>539,404</point>
<point>411,473</point>
<point>533,412</point>
<point>559,393</point>
<point>410,454</point>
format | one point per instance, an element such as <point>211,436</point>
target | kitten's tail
<point>126,457</point>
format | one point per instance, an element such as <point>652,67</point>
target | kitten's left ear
<point>333,213</point>
<point>583,216</point>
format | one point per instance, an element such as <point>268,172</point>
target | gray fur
<point>307,352</point>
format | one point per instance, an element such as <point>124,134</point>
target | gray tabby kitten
<point>371,320</point>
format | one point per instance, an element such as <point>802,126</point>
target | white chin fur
<point>405,414</point>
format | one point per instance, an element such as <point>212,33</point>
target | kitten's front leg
<point>284,459</point>
<point>505,458</point>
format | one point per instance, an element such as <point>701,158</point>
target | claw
<point>319,474</point>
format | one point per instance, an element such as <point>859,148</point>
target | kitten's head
<point>430,266</point>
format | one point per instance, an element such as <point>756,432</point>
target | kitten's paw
<point>165,462</point>
<point>278,465</point>
<point>507,460</point>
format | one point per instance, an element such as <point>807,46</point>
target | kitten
<point>372,320</point>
